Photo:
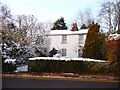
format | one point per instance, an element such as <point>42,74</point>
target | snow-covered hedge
<point>62,65</point>
<point>65,59</point>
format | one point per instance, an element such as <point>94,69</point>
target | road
<point>39,83</point>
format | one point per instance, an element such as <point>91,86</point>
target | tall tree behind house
<point>59,24</point>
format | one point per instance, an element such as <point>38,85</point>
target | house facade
<point>69,43</point>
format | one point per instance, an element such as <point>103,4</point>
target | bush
<point>80,67</point>
<point>113,48</point>
<point>93,47</point>
<point>8,67</point>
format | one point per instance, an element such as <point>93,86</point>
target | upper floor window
<point>64,39</point>
<point>81,39</point>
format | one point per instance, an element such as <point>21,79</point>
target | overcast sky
<point>46,10</point>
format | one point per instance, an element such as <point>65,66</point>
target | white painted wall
<point>72,45</point>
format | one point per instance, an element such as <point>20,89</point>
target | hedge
<point>80,67</point>
<point>8,67</point>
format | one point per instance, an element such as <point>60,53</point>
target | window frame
<point>80,40</point>
<point>64,39</point>
<point>79,53</point>
<point>64,52</point>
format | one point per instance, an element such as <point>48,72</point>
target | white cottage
<point>68,43</point>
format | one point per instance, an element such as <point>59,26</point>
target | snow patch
<point>65,32</point>
<point>22,68</point>
<point>113,37</point>
<point>65,59</point>
<point>10,60</point>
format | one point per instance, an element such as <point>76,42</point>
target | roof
<point>68,32</point>
<point>113,37</point>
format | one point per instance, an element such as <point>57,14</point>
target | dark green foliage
<point>59,24</point>
<point>118,31</point>
<point>94,43</point>
<point>84,26</point>
<point>8,67</point>
<point>80,67</point>
<point>53,52</point>
<point>56,66</point>
<point>103,46</point>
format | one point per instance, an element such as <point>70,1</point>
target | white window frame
<point>81,37</point>
<point>64,52</point>
<point>79,53</point>
<point>64,39</point>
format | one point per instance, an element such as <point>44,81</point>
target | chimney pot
<point>74,27</point>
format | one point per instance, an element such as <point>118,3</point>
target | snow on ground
<point>22,68</point>
<point>66,59</point>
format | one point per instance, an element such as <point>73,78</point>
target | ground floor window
<point>79,52</point>
<point>64,52</point>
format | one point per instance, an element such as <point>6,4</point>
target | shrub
<point>94,43</point>
<point>80,67</point>
<point>113,48</point>
<point>8,67</point>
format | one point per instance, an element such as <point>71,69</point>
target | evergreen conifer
<point>84,26</point>
<point>94,43</point>
<point>59,24</point>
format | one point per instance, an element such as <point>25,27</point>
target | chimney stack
<point>74,27</point>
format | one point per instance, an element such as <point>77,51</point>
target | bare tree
<point>85,17</point>
<point>110,14</point>
<point>117,14</point>
<point>5,16</point>
<point>4,12</point>
<point>43,29</point>
<point>31,32</point>
<point>5,19</point>
<point>26,28</point>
